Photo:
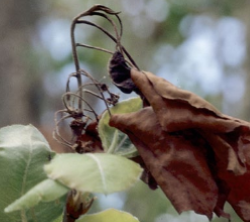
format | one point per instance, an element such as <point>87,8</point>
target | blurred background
<point>199,45</point>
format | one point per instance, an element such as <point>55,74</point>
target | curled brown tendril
<point>76,106</point>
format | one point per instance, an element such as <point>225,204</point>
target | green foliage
<point>113,140</point>
<point>46,191</point>
<point>100,172</point>
<point>33,197</point>
<point>108,216</point>
<point>59,219</point>
<point>23,153</point>
<point>139,204</point>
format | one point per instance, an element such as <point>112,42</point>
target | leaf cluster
<point>36,186</point>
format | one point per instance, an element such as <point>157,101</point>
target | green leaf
<point>23,153</point>
<point>113,140</point>
<point>99,172</point>
<point>59,219</point>
<point>46,191</point>
<point>108,216</point>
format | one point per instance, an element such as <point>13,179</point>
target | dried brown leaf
<point>89,141</point>
<point>199,156</point>
<point>178,109</point>
<point>178,166</point>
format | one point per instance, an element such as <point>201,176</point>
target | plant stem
<point>23,216</point>
<point>67,218</point>
<point>76,61</point>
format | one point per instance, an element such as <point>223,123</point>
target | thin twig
<point>83,100</point>
<point>98,87</point>
<point>113,38</point>
<point>94,47</point>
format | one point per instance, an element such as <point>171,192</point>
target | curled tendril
<point>76,106</point>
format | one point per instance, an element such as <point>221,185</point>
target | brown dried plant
<point>198,156</point>
<point>76,106</point>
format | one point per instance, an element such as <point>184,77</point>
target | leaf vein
<point>100,170</point>
<point>26,168</point>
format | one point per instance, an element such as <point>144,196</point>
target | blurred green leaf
<point>46,191</point>
<point>59,219</point>
<point>23,153</point>
<point>113,140</point>
<point>100,172</point>
<point>108,216</point>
